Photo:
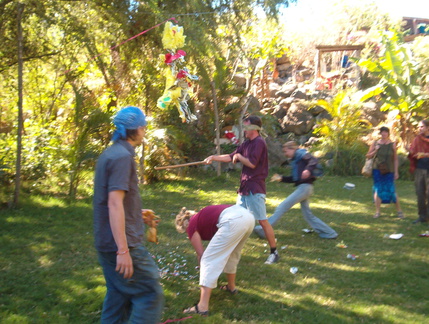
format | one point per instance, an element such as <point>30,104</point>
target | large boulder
<point>268,103</point>
<point>298,119</point>
<point>316,110</point>
<point>254,105</point>
<point>281,109</point>
<point>286,90</point>
<point>275,152</point>
<point>279,112</point>
<point>273,89</point>
<point>283,68</point>
<point>282,60</point>
<point>324,115</point>
<point>240,80</point>
<point>299,94</point>
<point>371,112</point>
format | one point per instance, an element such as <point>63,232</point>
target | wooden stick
<point>179,165</point>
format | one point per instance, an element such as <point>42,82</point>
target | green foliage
<point>341,132</point>
<point>270,125</point>
<point>400,83</point>
<point>348,160</point>
<point>399,80</point>
<point>74,72</point>
<point>228,148</point>
<point>345,124</point>
<point>86,146</point>
<point>172,144</point>
<point>6,175</point>
<point>40,152</point>
<point>420,49</point>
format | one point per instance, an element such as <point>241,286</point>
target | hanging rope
<point>127,40</point>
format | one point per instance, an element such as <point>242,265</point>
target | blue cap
<point>127,118</point>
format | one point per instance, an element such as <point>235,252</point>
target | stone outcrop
<point>297,120</point>
<point>290,92</point>
<point>275,152</point>
<point>372,113</point>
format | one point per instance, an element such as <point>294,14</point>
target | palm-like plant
<point>341,133</point>
<point>399,85</point>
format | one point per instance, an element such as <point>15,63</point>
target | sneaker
<point>272,258</point>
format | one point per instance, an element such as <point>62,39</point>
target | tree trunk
<point>141,164</point>
<point>20,9</point>
<point>240,120</point>
<point>216,125</point>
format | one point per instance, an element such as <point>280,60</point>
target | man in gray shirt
<point>134,293</point>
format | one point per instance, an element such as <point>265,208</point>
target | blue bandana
<point>127,118</point>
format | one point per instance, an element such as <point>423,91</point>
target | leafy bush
<point>227,148</point>
<point>347,161</point>
<point>343,153</point>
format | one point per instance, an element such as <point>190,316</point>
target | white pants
<point>224,250</point>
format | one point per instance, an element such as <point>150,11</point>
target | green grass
<point>49,271</point>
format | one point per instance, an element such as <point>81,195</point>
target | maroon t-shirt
<point>253,180</point>
<point>205,221</point>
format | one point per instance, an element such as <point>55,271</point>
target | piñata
<point>177,76</point>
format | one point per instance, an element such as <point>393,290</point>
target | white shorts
<point>224,250</point>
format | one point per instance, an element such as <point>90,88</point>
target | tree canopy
<point>83,60</point>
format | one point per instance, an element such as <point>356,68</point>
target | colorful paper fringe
<point>177,76</point>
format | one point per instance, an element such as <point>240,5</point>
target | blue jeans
<point>136,300</point>
<point>301,195</point>
<point>255,203</point>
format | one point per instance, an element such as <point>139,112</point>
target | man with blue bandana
<point>134,294</point>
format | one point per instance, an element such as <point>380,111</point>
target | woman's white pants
<point>224,250</point>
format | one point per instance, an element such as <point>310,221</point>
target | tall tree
<point>20,9</point>
<point>85,52</point>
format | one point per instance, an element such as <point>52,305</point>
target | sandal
<point>225,288</point>
<point>377,215</point>
<point>401,215</point>
<point>194,310</point>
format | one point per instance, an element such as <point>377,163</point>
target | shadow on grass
<point>48,264</point>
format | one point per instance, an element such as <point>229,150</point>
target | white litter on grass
<point>293,270</point>
<point>349,186</point>
<point>396,236</point>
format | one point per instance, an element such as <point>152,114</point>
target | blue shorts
<point>255,203</point>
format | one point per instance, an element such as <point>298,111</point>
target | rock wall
<point>291,92</point>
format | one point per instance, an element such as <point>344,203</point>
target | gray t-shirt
<point>116,170</point>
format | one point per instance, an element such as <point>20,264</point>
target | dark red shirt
<point>205,221</point>
<point>253,180</point>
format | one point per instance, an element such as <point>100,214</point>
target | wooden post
<point>317,74</point>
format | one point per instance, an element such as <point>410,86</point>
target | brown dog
<point>151,220</point>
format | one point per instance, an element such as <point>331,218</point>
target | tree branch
<point>2,68</point>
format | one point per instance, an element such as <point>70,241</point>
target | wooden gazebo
<point>333,48</point>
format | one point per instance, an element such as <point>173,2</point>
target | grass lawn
<point>50,274</point>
